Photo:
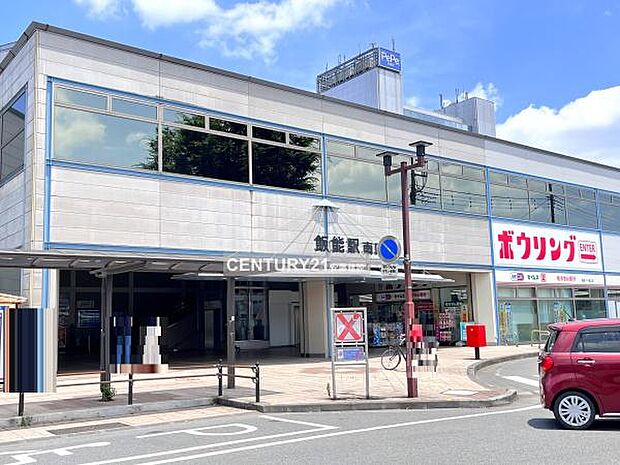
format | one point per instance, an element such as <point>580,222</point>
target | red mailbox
<point>416,333</point>
<point>476,337</point>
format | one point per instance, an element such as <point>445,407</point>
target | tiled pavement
<point>283,381</point>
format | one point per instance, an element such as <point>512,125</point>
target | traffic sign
<point>349,327</point>
<point>389,249</point>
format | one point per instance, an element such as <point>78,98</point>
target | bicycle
<point>390,358</point>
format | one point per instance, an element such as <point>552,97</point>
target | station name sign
<point>520,245</point>
<point>344,245</point>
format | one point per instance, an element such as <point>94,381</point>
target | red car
<point>579,371</point>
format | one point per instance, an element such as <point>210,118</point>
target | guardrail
<point>540,332</point>
<point>131,380</point>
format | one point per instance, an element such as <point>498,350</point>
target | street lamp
<point>409,310</point>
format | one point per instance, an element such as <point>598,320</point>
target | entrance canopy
<point>102,263</point>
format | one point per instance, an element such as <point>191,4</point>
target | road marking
<point>522,380</point>
<point>336,433</point>
<point>316,428</point>
<point>243,429</point>
<point>292,440</point>
<point>27,456</point>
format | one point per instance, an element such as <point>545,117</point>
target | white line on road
<point>336,433</point>
<point>290,441</point>
<point>316,429</point>
<point>522,380</point>
<point>206,431</point>
<point>27,457</point>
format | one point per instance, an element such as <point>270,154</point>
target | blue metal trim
<point>404,151</point>
<point>179,178</point>
<point>48,157</point>
<point>487,187</point>
<point>247,187</point>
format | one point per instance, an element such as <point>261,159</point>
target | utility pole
<point>408,307</point>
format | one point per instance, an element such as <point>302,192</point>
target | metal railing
<point>131,380</point>
<point>541,333</point>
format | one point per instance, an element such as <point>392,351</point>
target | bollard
<point>130,390</point>
<point>257,381</point>
<point>219,378</point>
<point>20,405</point>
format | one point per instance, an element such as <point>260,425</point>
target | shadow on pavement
<point>601,424</point>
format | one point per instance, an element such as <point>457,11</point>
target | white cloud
<point>101,9</point>
<point>488,92</point>
<point>588,127</point>
<point>246,29</point>
<point>75,135</point>
<point>412,101</point>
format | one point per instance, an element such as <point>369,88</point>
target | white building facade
<point>131,152</point>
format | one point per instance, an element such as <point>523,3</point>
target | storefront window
<point>590,309</point>
<point>250,314</point>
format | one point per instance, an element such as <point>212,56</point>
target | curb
<point>475,367</point>
<point>101,412</point>
<point>379,404</point>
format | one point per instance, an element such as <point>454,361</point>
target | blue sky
<point>552,66</point>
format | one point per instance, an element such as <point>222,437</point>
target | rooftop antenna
<point>456,95</point>
<point>441,101</point>
<point>393,44</point>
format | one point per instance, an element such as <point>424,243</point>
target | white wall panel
<point>611,252</point>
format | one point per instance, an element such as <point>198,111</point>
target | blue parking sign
<point>389,249</point>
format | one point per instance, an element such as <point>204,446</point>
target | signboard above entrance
<point>544,278</point>
<point>520,245</point>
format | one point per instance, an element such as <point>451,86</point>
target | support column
<point>315,298</point>
<point>106,314</point>
<point>231,356</point>
<point>484,303</point>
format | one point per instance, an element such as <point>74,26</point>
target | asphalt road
<point>521,433</point>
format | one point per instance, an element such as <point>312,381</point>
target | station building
<point>112,151</point>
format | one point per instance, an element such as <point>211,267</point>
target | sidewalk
<point>299,384</point>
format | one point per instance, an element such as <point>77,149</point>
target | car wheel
<point>574,410</point>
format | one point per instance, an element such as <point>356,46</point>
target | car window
<point>553,335</point>
<point>599,341</point>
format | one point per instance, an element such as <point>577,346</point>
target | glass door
<point>251,321</point>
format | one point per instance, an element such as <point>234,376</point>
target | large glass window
<point>509,202</point>
<point>182,117</point>
<point>463,195</point>
<point>104,139</point>
<point>202,154</point>
<point>285,167</point>
<point>132,108</point>
<point>81,98</point>
<point>12,137</point>
<point>356,178</point>
<point>610,212</point>
<point>522,198</point>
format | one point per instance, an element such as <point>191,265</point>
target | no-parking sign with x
<point>349,327</point>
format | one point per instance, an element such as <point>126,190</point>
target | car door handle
<point>586,361</point>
